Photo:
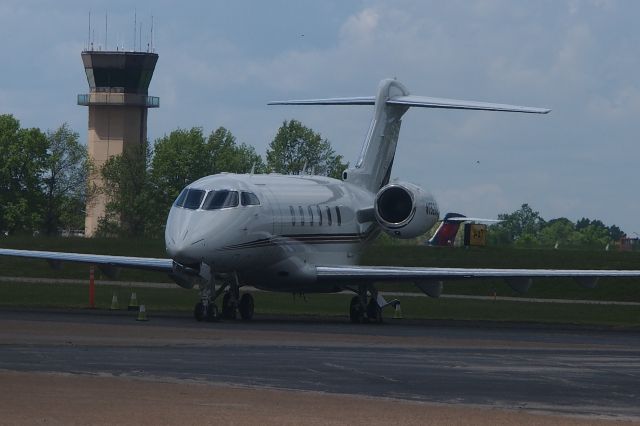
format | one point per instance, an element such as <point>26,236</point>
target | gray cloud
<point>219,64</point>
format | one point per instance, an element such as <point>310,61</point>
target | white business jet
<point>305,234</point>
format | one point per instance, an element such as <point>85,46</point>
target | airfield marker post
<point>92,289</point>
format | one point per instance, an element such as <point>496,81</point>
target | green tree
<point>178,159</point>
<point>615,233</point>
<point>228,156</point>
<point>559,230</point>
<point>65,178</point>
<point>131,206</point>
<point>186,155</point>
<point>592,236</point>
<point>582,223</point>
<point>23,154</point>
<point>296,146</point>
<point>521,227</point>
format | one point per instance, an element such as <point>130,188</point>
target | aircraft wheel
<point>355,310</point>
<point>212,312</point>
<point>198,311</point>
<point>246,306</point>
<point>374,312</point>
<point>228,307</point>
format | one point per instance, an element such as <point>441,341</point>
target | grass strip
<point>181,300</point>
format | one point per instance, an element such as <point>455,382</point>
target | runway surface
<point>533,369</point>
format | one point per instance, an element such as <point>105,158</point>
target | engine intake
<point>395,205</point>
<point>404,210</point>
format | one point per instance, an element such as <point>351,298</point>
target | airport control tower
<point>118,102</point>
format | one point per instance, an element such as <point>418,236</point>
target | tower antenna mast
<point>135,29</point>
<point>89,35</point>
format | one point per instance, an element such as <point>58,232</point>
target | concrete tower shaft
<point>118,102</point>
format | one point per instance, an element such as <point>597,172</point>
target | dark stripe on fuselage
<point>306,239</point>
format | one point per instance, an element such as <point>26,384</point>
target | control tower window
<point>220,200</point>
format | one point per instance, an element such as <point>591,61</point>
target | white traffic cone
<point>115,306</point>
<point>133,302</point>
<point>398,312</point>
<point>142,314</point>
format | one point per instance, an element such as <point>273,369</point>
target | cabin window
<point>220,200</point>
<point>310,210</point>
<point>249,199</point>
<point>319,216</point>
<point>293,216</point>
<point>329,220</point>
<point>193,199</point>
<point>338,216</point>
<point>301,210</point>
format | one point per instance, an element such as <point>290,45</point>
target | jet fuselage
<point>272,230</point>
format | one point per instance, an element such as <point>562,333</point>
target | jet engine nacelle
<point>404,210</point>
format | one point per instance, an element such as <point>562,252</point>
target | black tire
<point>374,312</point>
<point>246,306</point>
<point>212,312</point>
<point>228,307</point>
<point>198,311</point>
<point>356,314</point>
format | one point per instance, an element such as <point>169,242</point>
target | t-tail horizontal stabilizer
<point>417,101</point>
<point>373,168</point>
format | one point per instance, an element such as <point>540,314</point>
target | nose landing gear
<point>208,312</point>
<point>206,308</point>
<point>232,303</point>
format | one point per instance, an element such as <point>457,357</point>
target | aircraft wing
<point>399,273</point>
<point>148,263</point>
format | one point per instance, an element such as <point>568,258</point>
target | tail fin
<point>373,168</point>
<point>445,235</point>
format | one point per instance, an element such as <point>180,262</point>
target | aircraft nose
<point>187,250</point>
<point>182,242</point>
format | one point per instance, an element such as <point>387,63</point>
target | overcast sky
<point>221,62</point>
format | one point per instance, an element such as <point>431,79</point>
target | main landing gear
<point>367,305</point>
<point>232,303</point>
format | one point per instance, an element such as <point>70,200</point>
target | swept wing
<point>337,272</point>
<point>148,263</point>
<point>399,273</point>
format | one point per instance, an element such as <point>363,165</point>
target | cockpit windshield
<point>220,199</point>
<point>190,198</point>
<point>249,199</point>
